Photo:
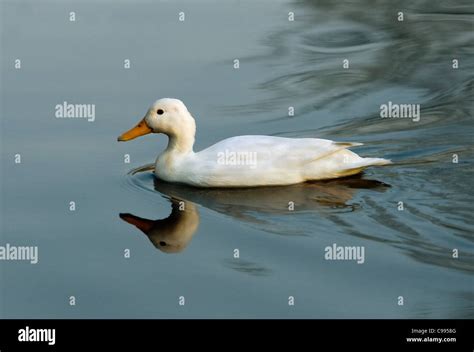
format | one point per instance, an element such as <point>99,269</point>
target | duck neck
<point>182,144</point>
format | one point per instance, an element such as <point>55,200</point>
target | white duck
<point>242,161</point>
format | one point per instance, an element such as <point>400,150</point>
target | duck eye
<point>162,243</point>
<point>160,112</point>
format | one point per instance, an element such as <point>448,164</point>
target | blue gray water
<point>408,253</point>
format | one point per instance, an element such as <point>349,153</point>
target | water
<point>408,253</point>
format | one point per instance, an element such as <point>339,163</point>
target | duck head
<point>168,116</point>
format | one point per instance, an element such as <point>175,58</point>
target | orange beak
<point>140,129</point>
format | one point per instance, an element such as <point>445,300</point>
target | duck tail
<point>359,166</point>
<point>374,162</point>
<point>348,144</point>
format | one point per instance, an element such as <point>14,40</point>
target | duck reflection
<point>262,207</point>
<point>172,234</point>
<point>240,202</point>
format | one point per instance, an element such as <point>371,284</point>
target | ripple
<point>340,37</point>
<point>247,267</point>
<point>141,179</point>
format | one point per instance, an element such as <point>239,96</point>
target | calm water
<point>408,253</point>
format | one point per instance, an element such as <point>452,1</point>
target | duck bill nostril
<point>140,129</point>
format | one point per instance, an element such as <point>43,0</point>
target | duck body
<point>250,161</point>
<point>244,161</point>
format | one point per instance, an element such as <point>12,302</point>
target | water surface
<point>282,63</point>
